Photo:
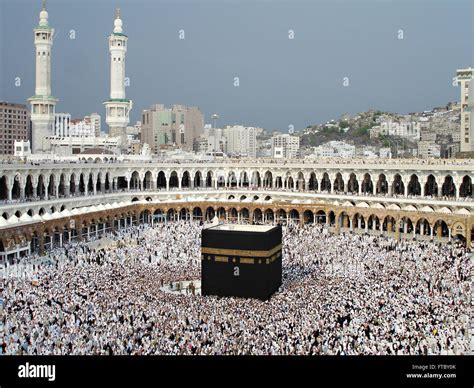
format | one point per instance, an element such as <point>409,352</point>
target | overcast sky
<point>282,81</point>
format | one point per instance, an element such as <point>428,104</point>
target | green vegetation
<point>343,124</point>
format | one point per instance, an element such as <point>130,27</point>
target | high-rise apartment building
<point>465,79</point>
<point>14,125</point>
<point>240,140</point>
<point>285,146</point>
<point>178,126</point>
<point>62,121</point>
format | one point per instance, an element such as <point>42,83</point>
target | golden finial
<point>117,13</point>
<point>44,5</point>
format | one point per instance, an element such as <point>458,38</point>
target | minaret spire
<point>117,108</point>
<point>42,103</point>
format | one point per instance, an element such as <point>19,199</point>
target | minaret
<point>42,103</point>
<point>117,108</point>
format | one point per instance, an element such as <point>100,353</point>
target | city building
<point>465,78</point>
<point>73,145</point>
<point>61,124</point>
<point>118,107</point>
<point>428,149</point>
<point>240,141</point>
<point>43,104</point>
<point>95,121</point>
<point>22,149</point>
<point>285,146</point>
<point>14,125</point>
<point>179,126</point>
<point>335,148</point>
<point>133,139</point>
<point>404,127</point>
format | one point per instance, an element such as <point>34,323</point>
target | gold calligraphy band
<point>240,252</point>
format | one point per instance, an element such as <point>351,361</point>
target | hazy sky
<point>282,81</point>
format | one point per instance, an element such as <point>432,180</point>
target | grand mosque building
<point>47,204</point>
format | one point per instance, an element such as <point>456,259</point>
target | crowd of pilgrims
<point>341,295</point>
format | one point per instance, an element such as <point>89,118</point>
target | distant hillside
<point>357,136</point>
<point>355,130</point>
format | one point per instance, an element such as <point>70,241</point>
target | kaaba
<point>241,260</point>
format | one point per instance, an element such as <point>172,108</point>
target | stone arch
<point>209,179</point>
<point>29,189</point>
<point>338,185</point>
<point>373,222</point>
<point>353,184</point>
<point>398,187</point>
<point>161,180</point>
<point>72,184</point>
<point>16,189</point>
<point>186,179</point>
<point>41,188</point>
<point>171,214</point>
<point>382,185</point>
<point>98,182</point>
<point>198,179</point>
<point>256,181</point>
<point>244,179</point>
<point>135,181</point>
<point>406,225</point>
<point>148,181</point>
<point>257,215</point>
<point>343,219</point>
<point>414,186</point>
<point>3,188</point>
<point>221,213</point>
<point>440,228</point>
<point>268,179</point>
<point>197,213</point>
<point>300,181</point>
<point>231,179</point>
<point>278,182</point>
<point>232,214</point>
<point>281,216</point>
<point>174,181</point>
<point>367,184</point>
<point>82,183</point>
<point>308,217</point>
<point>184,214</point>
<point>458,231</point>
<point>431,186</point>
<point>331,218</point>
<point>358,221</point>
<point>423,227</point>
<point>244,214</point>
<point>90,184</point>
<point>389,224</point>
<point>62,185</point>
<point>313,182</point>
<point>107,182</point>
<point>320,217</point>
<point>294,215</point>
<point>269,216</point>
<point>52,186</point>
<point>449,188</point>
<point>465,190</point>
